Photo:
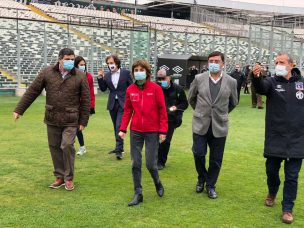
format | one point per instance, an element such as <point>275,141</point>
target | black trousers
<point>116,116</point>
<point>239,92</point>
<point>80,138</point>
<point>164,147</point>
<point>217,146</point>
<point>137,141</point>
<point>292,168</point>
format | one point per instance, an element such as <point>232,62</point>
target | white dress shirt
<point>115,79</point>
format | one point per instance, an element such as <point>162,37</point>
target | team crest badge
<point>300,95</point>
<point>299,86</point>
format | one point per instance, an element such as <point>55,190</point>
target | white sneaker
<point>81,151</point>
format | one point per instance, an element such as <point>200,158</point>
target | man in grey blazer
<point>212,95</point>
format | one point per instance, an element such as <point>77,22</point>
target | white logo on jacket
<point>300,95</point>
<point>280,89</point>
<point>134,96</point>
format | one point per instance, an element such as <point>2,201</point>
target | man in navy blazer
<point>117,81</point>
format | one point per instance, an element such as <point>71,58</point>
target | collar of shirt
<point>215,81</point>
<point>63,72</point>
<point>117,72</point>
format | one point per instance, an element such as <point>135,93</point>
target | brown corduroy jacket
<point>67,100</point>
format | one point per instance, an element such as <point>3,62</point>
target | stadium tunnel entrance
<point>178,66</point>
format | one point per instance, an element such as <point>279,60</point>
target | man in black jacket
<point>176,103</point>
<point>284,134</point>
<point>239,77</point>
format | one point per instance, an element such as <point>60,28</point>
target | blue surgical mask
<point>141,75</point>
<point>68,64</point>
<point>164,84</point>
<point>281,71</point>
<point>214,67</point>
<point>82,68</point>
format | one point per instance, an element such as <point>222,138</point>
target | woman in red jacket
<point>81,64</point>
<point>145,104</point>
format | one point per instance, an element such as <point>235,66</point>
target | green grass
<point>103,185</point>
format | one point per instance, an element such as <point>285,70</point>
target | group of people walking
<point>155,109</point>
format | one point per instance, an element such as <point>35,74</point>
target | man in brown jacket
<point>67,108</point>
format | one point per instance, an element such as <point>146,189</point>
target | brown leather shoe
<point>69,185</point>
<point>269,201</point>
<point>287,217</point>
<point>57,184</point>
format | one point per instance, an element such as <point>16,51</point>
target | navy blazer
<point>124,81</point>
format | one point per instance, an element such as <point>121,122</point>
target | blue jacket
<point>124,82</point>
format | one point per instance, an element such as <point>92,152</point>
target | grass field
<point>103,185</point>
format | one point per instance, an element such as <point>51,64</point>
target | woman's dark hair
<point>144,64</point>
<point>115,58</point>
<point>77,60</point>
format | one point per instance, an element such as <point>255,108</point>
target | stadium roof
<point>282,13</point>
<point>273,6</point>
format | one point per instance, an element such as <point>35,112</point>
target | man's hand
<point>172,109</point>
<point>81,127</point>
<point>162,138</point>
<point>101,73</point>
<point>257,70</point>
<point>16,116</point>
<point>122,135</point>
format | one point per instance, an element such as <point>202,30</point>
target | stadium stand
<point>44,29</point>
<point>170,24</point>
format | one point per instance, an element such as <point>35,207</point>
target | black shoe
<point>112,152</point>
<point>160,166</point>
<point>118,155</point>
<point>211,193</point>
<point>138,198</point>
<point>159,189</point>
<point>260,107</point>
<point>199,187</point>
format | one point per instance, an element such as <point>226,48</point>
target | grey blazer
<point>206,111</point>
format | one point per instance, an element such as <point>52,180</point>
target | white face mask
<point>112,67</point>
<point>281,71</point>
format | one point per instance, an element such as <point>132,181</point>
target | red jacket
<point>146,107</point>
<point>91,85</point>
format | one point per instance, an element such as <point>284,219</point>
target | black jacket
<point>175,96</point>
<point>239,77</point>
<point>124,82</point>
<point>284,132</point>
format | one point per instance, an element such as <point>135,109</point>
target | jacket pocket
<point>72,115</point>
<point>197,114</point>
<point>49,112</point>
<point>224,117</point>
